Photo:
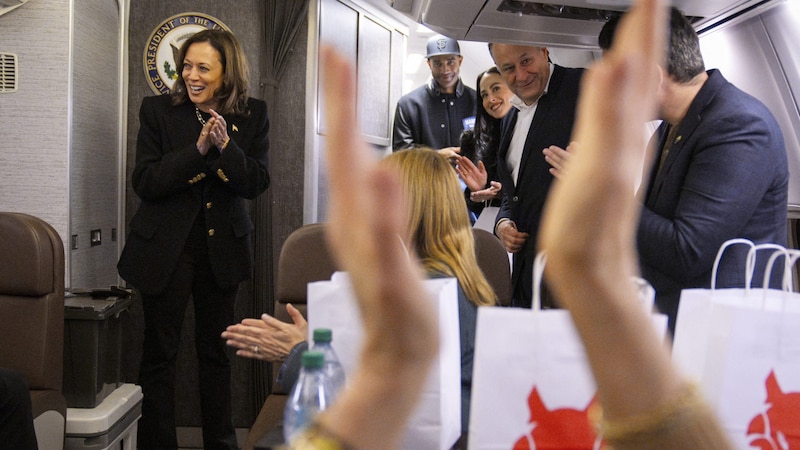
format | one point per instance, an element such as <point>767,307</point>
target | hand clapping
<point>214,133</point>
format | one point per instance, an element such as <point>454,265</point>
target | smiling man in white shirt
<point>545,111</point>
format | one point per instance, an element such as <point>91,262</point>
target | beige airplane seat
<point>493,261</point>
<point>304,258</point>
<point>32,318</point>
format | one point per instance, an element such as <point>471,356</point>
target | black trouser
<point>163,317</point>
<point>16,418</point>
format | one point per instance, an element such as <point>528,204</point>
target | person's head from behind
<point>438,226</point>
<point>494,94</point>
<point>526,69</point>
<point>606,36</point>
<point>444,60</point>
<point>684,58</point>
<point>214,73</point>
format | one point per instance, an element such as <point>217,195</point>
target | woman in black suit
<point>201,152</point>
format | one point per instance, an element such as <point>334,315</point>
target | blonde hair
<point>438,224</point>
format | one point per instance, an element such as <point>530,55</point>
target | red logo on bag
<point>563,428</point>
<point>777,428</point>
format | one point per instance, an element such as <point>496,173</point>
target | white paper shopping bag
<point>532,384</point>
<point>436,422</point>
<point>692,332</point>
<point>743,347</point>
<point>758,387</point>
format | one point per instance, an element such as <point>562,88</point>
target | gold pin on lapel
<point>235,128</point>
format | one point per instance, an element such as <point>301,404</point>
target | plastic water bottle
<point>311,394</point>
<point>333,368</point>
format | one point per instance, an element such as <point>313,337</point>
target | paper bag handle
<point>646,293</point>
<point>721,250</point>
<point>538,272</point>
<point>750,261</point>
<point>792,256</point>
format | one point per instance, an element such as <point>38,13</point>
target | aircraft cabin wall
<point>761,57</point>
<point>34,157</point>
<point>61,139</point>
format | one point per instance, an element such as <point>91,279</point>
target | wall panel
<point>34,138</point>
<point>746,55</point>
<point>94,153</point>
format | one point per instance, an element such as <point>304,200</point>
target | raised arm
<point>366,226</point>
<point>589,237</point>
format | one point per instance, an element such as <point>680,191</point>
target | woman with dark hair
<point>201,152</point>
<point>477,165</point>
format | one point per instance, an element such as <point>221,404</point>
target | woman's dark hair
<point>487,129</point>
<point>232,95</point>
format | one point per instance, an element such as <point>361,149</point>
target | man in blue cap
<point>435,114</point>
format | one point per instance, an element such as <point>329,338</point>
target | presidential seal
<point>161,51</point>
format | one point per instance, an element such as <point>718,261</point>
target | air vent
<point>551,10</point>
<point>8,72</point>
<point>529,8</point>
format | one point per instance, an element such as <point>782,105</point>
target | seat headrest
<point>304,258</point>
<point>33,255</point>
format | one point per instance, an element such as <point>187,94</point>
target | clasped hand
<point>267,338</point>
<point>214,133</point>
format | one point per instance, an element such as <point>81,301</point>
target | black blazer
<point>523,202</point>
<point>175,183</point>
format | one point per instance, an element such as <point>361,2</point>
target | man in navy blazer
<point>719,172</point>
<point>546,95</point>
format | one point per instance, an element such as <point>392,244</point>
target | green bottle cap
<point>323,335</point>
<point>312,359</point>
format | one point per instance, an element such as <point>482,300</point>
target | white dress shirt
<point>524,120</point>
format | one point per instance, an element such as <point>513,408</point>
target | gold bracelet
<point>315,437</point>
<point>680,408</point>
<point>224,144</point>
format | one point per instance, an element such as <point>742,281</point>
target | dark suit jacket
<point>725,176</point>
<point>523,202</point>
<point>176,183</point>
